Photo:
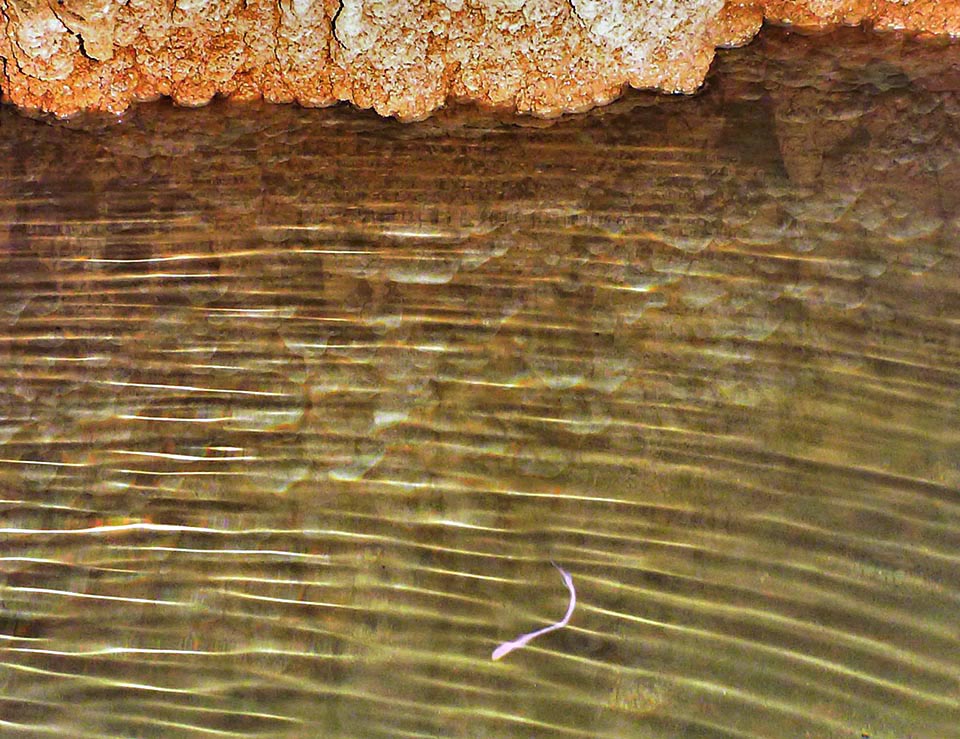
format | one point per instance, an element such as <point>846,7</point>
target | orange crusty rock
<point>403,58</point>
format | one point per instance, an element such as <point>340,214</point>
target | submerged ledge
<point>401,58</point>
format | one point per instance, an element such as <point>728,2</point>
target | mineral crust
<point>403,58</point>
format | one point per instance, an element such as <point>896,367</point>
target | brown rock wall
<point>403,58</point>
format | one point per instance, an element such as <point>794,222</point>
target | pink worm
<point>521,641</point>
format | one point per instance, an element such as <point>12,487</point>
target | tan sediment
<point>403,58</point>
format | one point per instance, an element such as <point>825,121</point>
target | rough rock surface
<point>403,58</point>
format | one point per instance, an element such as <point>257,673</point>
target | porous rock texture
<point>403,58</point>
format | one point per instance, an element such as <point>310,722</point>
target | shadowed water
<point>298,406</point>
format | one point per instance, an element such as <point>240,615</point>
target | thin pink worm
<point>521,641</point>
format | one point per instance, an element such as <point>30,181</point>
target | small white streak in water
<point>94,596</point>
<point>294,601</point>
<point>183,457</point>
<point>239,552</point>
<point>176,419</point>
<point>182,473</point>
<point>140,526</point>
<point>521,641</point>
<point>195,389</point>
<point>462,525</point>
<point>147,650</point>
<point>42,462</point>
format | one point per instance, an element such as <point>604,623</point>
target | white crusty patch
<point>637,27</point>
<point>352,31</point>
<point>33,35</point>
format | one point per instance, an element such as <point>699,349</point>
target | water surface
<point>297,406</point>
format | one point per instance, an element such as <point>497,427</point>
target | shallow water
<point>298,406</point>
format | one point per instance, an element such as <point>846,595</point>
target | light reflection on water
<point>299,406</point>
